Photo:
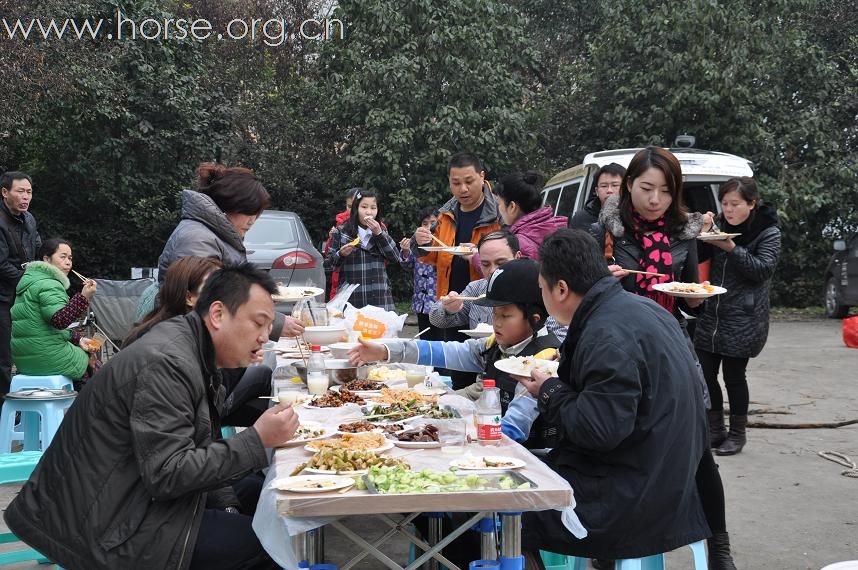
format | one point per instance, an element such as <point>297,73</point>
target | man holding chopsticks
<point>471,213</point>
<point>19,242</point>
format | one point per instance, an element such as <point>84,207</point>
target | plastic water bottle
<point>317,377</point>
<point>488,415</point>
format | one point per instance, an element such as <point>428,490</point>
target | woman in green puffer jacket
<point>41,342</point>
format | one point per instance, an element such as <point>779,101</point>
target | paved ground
<point>787,508</point>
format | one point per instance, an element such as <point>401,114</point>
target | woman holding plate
<point>647,228</point>
<point>734,326</point>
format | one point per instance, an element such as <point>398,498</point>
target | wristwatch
<point>231,510</point>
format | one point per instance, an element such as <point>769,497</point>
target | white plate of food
<point>377,450</point>
<point>312,483</point>
<point>422,437</point>
<point>524,365</point>
<point>370,442</point>
<point>308,432</point>
<point>334,399</point>
<point>487,462</point>
<point>385,374</point>
<point>716,236</point>
<point>363,426</point>
<point>689,290</point>
<point>482,331</point>
<point>291,294</point>
<point>457,250</point>
<point>330,472</point>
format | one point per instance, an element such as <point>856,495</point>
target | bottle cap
<point>488,383</point>
<point>315,348</point>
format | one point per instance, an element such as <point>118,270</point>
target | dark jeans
<point>5,348</point>
<point>226,541</point>
<point>735,381</point>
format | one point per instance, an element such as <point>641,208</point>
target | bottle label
<point>489,427</point>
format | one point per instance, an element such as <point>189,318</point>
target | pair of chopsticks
<point>477,298</point>
<point>81,277</point>
<point>644,273</point>
<point>439,241</point>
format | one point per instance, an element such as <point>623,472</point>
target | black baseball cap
<point>516,281</point>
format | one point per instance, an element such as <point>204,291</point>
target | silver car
<point>280,243</point>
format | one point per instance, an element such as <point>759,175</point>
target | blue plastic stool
<point>484,565</point>
<point>37,434</point>
<point>656,562</point>
<point>25,382</point>
<point>554,561</point>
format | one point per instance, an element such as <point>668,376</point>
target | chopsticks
<point>477,298</point>
<point>79,276</point>
<point>439,241</point>
<point>645,272</point>
<point>421,332</point>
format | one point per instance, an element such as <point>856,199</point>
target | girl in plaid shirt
<point>359,250</point>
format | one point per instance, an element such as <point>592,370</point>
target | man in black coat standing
<point>629,409</point>
<point>19,243</point>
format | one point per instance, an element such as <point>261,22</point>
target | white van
<point>703,173</point>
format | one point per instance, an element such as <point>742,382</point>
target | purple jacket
<point>531,229</point>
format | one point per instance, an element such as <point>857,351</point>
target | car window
<point>567,198</point>
<point>700,197</point>
<point>551,198</point>
<point>272,232</point>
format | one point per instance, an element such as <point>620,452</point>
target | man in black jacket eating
<point>629,409</point>
<point>125,482</point>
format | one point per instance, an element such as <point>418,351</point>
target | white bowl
<point>341,349</point>
<point>324,335</point>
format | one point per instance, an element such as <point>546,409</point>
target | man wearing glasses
<point>607,183</point>
<point>19,242</point>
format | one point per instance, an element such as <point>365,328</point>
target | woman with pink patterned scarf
<point>647,228</point>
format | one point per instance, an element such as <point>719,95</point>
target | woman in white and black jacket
<point>734,326</point>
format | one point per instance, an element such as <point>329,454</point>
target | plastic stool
<point>484,565</point>
<point>553,561</point>
<point>656,561</point>
<point>16,467</point>
<point>23,555</point>
<point>35,438</point>
<point>25,382</point>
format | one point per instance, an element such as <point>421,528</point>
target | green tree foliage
<point>757,86</point>
<point>417,81</point>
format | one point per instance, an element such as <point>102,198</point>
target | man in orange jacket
<point>463,220</point>
<point>470,213</point>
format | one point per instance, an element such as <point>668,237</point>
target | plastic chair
<point>37,434</point>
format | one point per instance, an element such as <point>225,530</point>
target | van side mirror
<point>840,245</point>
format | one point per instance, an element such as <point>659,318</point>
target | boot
<point>736,438</point>
<point>717,431</point>
<point>719,552</point>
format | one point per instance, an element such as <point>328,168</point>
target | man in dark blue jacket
<point>629,409</point>
<point>19,243</point>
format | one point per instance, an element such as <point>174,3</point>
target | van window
<point>551,198</point>
<point>700,197</point>
<point>567,199</point>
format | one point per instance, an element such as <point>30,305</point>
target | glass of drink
<point>452,434</point>
<point>415,374</point>
<point>317,383</point>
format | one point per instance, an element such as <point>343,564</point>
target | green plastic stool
<point>14,468</point>
<point>554,561</point>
